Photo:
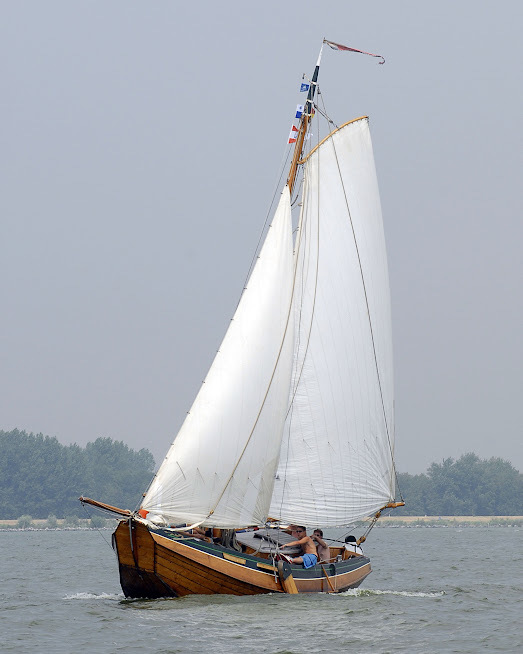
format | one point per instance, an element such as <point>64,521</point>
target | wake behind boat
<point>293,424</point>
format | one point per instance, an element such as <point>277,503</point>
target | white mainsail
<point>336,457</point>
<point>220,468</point>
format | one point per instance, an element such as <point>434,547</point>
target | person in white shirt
<point>352,546</point>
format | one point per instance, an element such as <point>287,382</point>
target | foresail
<point>221,466</point>
<point>336,456</point>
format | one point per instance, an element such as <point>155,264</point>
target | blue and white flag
<point>304,87</point>
<point>299,110</point>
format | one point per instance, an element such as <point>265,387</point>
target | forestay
<point>336,457</point>
<point>220,468</point>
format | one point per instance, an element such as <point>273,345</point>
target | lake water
<point>431,590</point>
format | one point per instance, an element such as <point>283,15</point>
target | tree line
<point>41,477</point>
<point>466,486</point>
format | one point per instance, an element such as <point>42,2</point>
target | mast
<point>304,126</point>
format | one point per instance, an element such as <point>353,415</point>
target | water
<point>431,590</point>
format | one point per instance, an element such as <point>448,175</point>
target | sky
<point>141,145</point>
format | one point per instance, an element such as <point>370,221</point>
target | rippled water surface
<point>431,590</point>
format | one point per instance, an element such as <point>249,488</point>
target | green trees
<point>52,521</point>
<point>24,521</point>
<point>468,486</point>
<point>39,476</point>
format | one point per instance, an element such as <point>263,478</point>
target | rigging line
<point>97,529</point>
<point>297,196</point>
<point>289,313</point>
<point>373,521</point>
<point>302,235</point>
<point>285,159</point>
<point>329,120</point>
<point>324,113</point>
<point>329,124</point>
<point>290,410</point>
<point>368,308</point>
<point>312,312</point>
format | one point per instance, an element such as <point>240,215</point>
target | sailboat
<point>294,423</point>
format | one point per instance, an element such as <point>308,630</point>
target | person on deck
<point>324,553</point>
<point>202,534</point>
<point>195,532</point>
<point>309,557</point>
<point>351,545</point>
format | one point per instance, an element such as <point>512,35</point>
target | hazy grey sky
<point>141,143</point>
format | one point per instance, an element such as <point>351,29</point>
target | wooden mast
<point>304,125</point>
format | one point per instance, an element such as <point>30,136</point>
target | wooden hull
<point>156,564</point>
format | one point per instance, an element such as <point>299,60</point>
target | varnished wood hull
<point>154,565</point>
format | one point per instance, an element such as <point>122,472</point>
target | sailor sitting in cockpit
<point>309,557</point>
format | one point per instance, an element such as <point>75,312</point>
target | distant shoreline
<point>384,521</point>
<point>451,521</point>
<point>461,518</point>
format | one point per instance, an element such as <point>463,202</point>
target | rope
<point>285,159</point>
<point>302,237</point>
<point>323,111</point>
<point>283,165</point>
<point>89,516</point>
<point>289,313</point>
<point>363,538</point>
<point>279,353</point>
<point>368,311</point>
<point>301,244</point>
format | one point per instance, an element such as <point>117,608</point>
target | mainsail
<point>220,468</point>
<point>336,458</point>
<point>295,418</point>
